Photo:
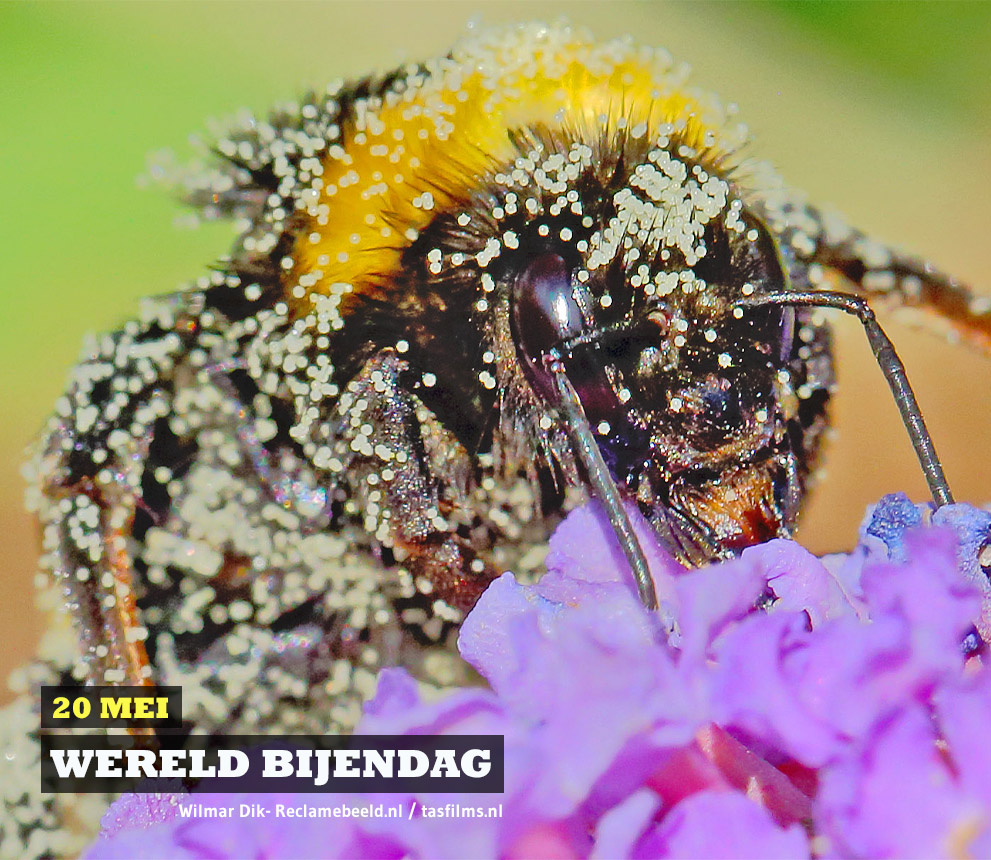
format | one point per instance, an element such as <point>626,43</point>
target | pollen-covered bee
<point>466,295</point>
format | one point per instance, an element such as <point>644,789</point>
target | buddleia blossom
<point>799,706</point>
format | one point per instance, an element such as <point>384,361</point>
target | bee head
<point>684,392</point>
<point>621,264</point>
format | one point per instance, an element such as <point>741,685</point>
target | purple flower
<point>192,834</point>
<point>744,830</point>
<point>893,795</point>
<point>140,811</point>
<point>800,704</point>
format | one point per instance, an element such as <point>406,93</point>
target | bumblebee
<point>465,296</point>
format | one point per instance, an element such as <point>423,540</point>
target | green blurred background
<point>882,110</point>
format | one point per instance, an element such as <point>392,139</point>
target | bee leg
<point>408,477</point>
<point>311,502</point>
<point>90,471</point>
<point>898,279</point>
<point>89,528</point>
<point>456,572</point>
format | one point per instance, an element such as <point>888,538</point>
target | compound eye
<point>544,308</point>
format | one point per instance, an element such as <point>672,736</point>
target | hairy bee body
<point>312,462</point>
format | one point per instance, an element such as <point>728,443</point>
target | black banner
<point>372,764</point>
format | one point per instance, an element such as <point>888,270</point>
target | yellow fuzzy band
<point>425,146</point>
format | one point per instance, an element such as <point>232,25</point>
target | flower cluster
<point>801,707</point>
